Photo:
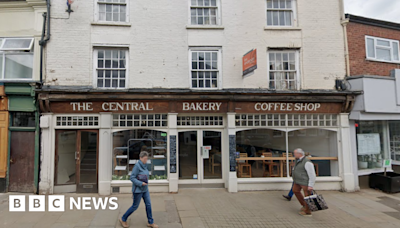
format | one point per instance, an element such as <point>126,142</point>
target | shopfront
<point>242,142</point>
<point>375,124</point>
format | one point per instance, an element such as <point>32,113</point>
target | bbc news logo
<point>57,203</point>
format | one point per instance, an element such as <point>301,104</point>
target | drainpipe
<point>43,41</point>
<point>344,22</point>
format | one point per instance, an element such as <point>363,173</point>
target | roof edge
<point>373,22</point>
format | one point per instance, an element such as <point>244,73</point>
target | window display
<point>268,156</point>
<point>372,146</point>
<point>394,129</point>
<point>127,147</point>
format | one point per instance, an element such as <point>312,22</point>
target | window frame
<point>294,15</point>
<point>97,11</point>
<point>16,51</point>
<point>219,55</point>
<point>297,67</point>
<point>219,12</point>
<point>95,65</point>
<point>391,49</point>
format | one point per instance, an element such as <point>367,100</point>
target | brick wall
<point>356,33</point>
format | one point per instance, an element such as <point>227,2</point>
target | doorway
<point>200,157</point>
<point>76,165</point>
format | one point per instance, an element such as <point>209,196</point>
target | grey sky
<point>388,10</point>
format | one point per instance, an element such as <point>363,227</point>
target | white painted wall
<point>24,19</point>
<point>158,42</point>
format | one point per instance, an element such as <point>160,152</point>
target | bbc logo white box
<point>56,203</point>
<point>16,203</point>
<point>37,203</point>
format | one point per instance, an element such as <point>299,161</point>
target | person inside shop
<point>303,179</point>
<point>250,149</point>
<point>139,178</point>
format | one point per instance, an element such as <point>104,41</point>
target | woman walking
<point>139,178</point>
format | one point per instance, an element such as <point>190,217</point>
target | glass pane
<point>269,18</point>
<point>383,54</point>
<point>88,158</point>
<point>17,44</point>
<point>212,165</point>
<point>383,43</point>
<point>18,66</point>
<point>188,155</point>
<point>394,128</point>
<point>370,48</point>
<point>23,119</point>
<point>261,143</point>
<point>1,65</point>
<point>395,51</point>
<point>325,145</point>
<point>66,147</point>
<point>372,146</point>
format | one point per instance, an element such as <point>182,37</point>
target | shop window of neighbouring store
<point>394,129</point>
<point>273,151</point>
<point>127,146</point>
<point>372,144</point>
<point>16,58</point>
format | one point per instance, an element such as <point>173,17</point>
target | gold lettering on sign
<point>112,106</point>
<point>201,106</point>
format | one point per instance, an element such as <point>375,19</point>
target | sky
<point>387,10</point>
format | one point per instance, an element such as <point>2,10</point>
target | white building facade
<point>127,76</point>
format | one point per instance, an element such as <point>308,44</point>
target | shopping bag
<point>316,202</point>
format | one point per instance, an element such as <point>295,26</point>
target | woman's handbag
<point>142,178</point>
<point>316,202</point>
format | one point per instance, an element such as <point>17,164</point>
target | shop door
<point>200,157</point>
<point>76,161</point>
<point>22,158</point>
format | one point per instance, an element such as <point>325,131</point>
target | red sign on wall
<point>249,62</point>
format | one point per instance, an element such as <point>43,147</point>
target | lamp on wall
<point>69,3</point>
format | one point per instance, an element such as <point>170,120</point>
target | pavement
<point>192,208</point>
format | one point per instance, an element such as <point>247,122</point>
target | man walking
<point>303,178</point>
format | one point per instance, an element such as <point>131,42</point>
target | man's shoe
<point>123,224</point>
<point>303,213</point>
<point>287,197</point>
<point>152,225</point>
<point>303,209</point>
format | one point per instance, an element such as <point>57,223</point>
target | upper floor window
<point>283,70</point>
<point>280,12</point>
<point>205,69</point>
<point>204,12</point>
<point>381,49</point>
<point>111,67</point>
<point>16,58</point>
<point>112,10</point>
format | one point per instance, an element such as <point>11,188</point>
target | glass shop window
<point>23,119</point>
<point>127,146</point>
<point>372,146</point>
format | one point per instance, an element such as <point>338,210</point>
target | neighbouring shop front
<point>375,124</point>
<point>91,142</point>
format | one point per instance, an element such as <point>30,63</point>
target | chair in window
<point>244,167</point>
<point>271,165</point>
<point>284,164</point>
<point>213,162</point>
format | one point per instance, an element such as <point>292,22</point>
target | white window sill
<point>256,180</point>
<point>128,183</point>
<point>382,61</point>
<point>282,28</point>
<point>364,172</point>
<point>205,27</point>
<point>110,23</point>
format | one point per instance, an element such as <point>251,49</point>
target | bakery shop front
<point>217,139</point>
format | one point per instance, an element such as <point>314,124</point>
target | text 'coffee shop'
<point>239,141</point>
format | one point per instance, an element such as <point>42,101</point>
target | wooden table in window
<point>282,159</point>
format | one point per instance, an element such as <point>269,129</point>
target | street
<point>192,208</point>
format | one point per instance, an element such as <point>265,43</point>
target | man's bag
<point>316,202</point>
